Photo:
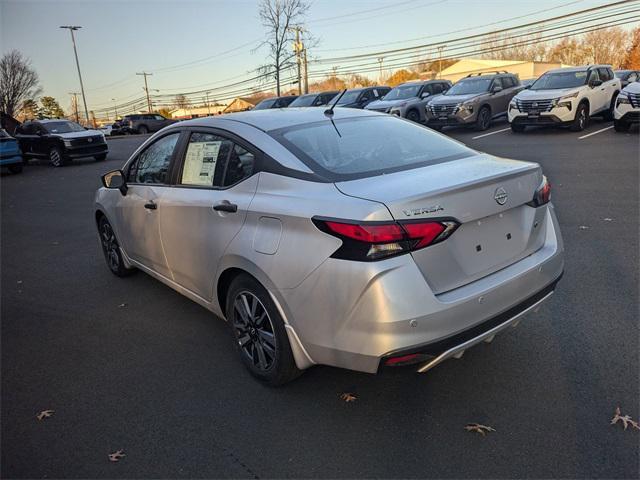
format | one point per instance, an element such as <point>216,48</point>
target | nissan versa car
<point>60,141</point>
<point>346,238</point>
<point>475,100</point>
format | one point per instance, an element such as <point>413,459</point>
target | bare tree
<point>181,101</point>
<point>607,45</point>
<point>278,17</point>
<point>18,82</point>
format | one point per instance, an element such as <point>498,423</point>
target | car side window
<point>497,82</point>
<point>158,117</point>
<point>205,160</point>
<point>367,95</point>
<point>593,75</point>
<point>632,77</point>
<point>604,74</point>
<point>436,88</point>
<point>508,82</point>
<point>152,165</point>
<point>240,166</point>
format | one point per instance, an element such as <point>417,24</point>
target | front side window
<point>265,104</point>
<point>304,101</point>
<point>367,146</point>
<point>633,77</point>
<point>152,165</point>
<point>349,97</point>
<point>159,117</point>
<point>470,86</point>
<point>560,80</point>
<point>605,75</point>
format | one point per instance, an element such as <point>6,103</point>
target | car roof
<point>582,68</point>
<point>273,119</point>
<point>49,120</point>
<point>419,82</point>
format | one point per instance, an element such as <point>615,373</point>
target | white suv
<point>566,96</point>
<point>627,109</point>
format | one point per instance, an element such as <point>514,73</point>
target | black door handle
<point>225,206</point>
<point>151,205</point>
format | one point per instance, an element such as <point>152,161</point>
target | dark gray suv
<point>474,100</point>
<point>145,123</point>
<point>409,99</point>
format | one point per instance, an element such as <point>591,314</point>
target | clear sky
<point>120,38</point>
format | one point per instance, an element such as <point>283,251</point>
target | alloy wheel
<point>55,157</point>
<point>254,331</point>
<point>583,117</point>
<point>110,246</point>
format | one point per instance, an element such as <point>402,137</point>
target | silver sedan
<point>346,238</point>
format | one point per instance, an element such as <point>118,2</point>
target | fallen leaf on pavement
<point>348,397</point>
<point>626,420</point>
<point>122,305</point>
<point>481,429</point>
<point>608,219</point>
<point>44,414</point>
<point>583,227</point>
<point>114,457</point>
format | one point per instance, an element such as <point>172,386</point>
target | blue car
<point>10,155</point>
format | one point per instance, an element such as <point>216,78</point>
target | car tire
<point>111,249</point>
<point>259,332</point>
<point>515,128</point>
<point>608,114</point>
<point>17,168</point>
<point>56,157</point>
<point>581,119</point>
<point>483,122</point>
<point>101,158</point>
<point>414,116</point>
<point>620,126</point>
<point>142,130</point>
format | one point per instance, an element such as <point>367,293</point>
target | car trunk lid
<point>485,194</point>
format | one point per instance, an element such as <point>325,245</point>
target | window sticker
<point>581,74</point>
<point>200,163</point>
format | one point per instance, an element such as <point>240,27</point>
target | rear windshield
<point>349,97</point>
<point>62,127</point>
<point>366,146</point>
<point>551,81</point>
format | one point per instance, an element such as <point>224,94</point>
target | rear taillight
<point>542,195</point>
<point>368,241</point>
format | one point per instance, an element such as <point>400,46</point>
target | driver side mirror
<point>115,180</point>
<point>424,94</point>
<point>496,89</point>
<point>595,83</point>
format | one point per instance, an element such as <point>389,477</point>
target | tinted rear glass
<point>265,104</point>
<point>304,101</point>
<point>366,146</point>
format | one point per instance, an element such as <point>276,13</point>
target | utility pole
<point>115,107</point>
<point>306,73</point>
<point>146,89</point>
<point>440,49</point>
<point>74,100</point>
<point>208,108</point>
<point>380,60</point>
<point>73,28</point>
<point>298,47</point>
<point>335,78</point>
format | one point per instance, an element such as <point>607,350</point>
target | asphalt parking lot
<point>130,364</point>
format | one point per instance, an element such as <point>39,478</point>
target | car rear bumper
<point>386,307</point>
<point>87,151</point>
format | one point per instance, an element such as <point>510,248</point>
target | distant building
<point>196,112</point>
<point>239,104</point>
<point>524,70</point>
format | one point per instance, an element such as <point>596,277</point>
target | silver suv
<point>350,239</point>
<point>408,99</point>
<point>475,100</point>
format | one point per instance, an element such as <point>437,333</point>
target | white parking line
<point>597,131</point>
<point>492,133</point>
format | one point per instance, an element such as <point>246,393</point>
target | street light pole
<point>71,29</point>
<point>115,107</point>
